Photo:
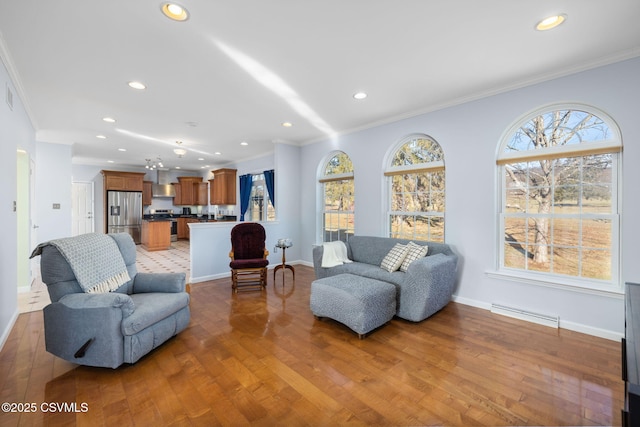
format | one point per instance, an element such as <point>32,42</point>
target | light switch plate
<point>56,206</point>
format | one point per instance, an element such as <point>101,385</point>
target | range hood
<point>163,188</point>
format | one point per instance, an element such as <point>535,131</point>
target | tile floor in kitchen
<point>173,260</point>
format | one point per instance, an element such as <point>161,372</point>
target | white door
<point>82,208</point>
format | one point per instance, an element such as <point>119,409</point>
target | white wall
<point>469,135</point>
<point>16,132</point>
<point>210,242</point>
<point>53,186</point>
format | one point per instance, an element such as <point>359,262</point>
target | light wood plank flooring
<point>263,359</point>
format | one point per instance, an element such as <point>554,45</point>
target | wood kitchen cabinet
<point>156,235</point>
<point>147,193</point>
<point>202,194</point>
<point>189,193</point>
<point>123,181</point>
<point>183,228</point>
<point>223,187</point>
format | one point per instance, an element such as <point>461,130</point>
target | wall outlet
<point>56,206</point>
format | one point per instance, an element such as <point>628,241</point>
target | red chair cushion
<point>249,263</point>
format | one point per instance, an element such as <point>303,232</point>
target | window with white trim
<point>338,198</point>
<point>558,177</point>
<point>260,205</point>
<point>416,188</point>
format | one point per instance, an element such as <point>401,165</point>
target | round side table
<point>284,244</point>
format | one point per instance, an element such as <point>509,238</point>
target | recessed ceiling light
<point>137,85</point>
<point>175,11</point>
<point>122,149</point>
<point>109,161</point>
<point>101,137</point>
<point>287,124</point>
<point>244,143</point>
<point>551,22</point>
<point>109,119</point>
<point>177,167</point>
<point>360,95</point>
<point>217,153</point>
<point>200,158</point>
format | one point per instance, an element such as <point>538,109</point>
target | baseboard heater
<point>542,319</point>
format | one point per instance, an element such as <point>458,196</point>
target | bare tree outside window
<point>417,190</point>
<point>338,190</point>
<point>558,196</point>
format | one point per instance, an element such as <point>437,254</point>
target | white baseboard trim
<point>226,274</point>
<point>7,331</point>
<point>571,326</point>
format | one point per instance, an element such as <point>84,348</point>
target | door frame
<point>75,201</point>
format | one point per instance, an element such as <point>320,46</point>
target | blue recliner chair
<point>108,327</point>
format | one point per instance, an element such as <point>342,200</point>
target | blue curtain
<point>246,182</point>
<point>268,179</point>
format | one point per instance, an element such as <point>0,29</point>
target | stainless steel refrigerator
<point>124,213</point>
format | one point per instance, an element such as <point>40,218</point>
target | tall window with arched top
<point>338,198</point>
<point>558,177</point>
<point>416,185</point>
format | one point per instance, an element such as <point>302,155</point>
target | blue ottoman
<point>361,303</point>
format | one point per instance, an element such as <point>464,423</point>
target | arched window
<point>558,177</point>
<point>416,186</point>
<point>338,198</point>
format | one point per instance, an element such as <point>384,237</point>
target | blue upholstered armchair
<point>113,321</point>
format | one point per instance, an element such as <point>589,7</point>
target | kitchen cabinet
<point>183,228</point>
<point>202,194</point>
<point>223,187</point>
<point>156,235</point>
<point>177,199</point>
<point>123,181</point>
<point>189,191</point>
<point>146,192</point>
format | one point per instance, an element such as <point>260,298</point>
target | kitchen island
<point>156,234</point>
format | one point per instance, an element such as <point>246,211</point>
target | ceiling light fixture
<point>122,149</point>
<point>109,119</point>
<point>244,143</point>
<point>175,12</point>
<point>101,137</point>
<point>287,124</point>
<point>551,22</point>
<point>137,85</point>
<point>179,151</point>
<point>151,165</point>
<point>359,95</point>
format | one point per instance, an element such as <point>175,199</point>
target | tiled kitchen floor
<point>174,260</point>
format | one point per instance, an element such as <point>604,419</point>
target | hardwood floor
<point>262,359</point>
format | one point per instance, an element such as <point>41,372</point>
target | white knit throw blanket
<point>334,253</point>
<point>96,261</point>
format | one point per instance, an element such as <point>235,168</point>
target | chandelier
<point>154,164</point>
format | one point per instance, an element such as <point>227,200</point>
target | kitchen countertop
<point>203,218</point>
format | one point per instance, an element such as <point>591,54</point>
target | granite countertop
<point>203,218</point>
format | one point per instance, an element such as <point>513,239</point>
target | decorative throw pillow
<point>414,252</point>
<point>393,260</point>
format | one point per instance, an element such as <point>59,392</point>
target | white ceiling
<point>237,69</point>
